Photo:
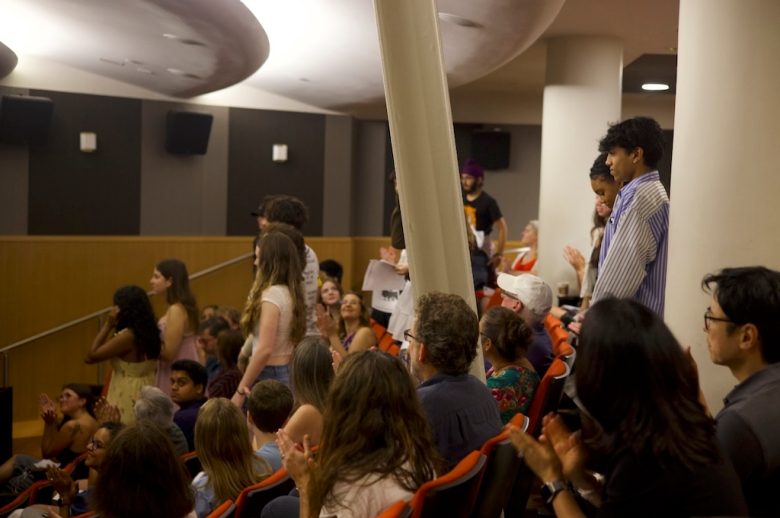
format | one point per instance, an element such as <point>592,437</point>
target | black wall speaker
<point>187,133</point>
<point>25,119</point>
<point>491,149</point>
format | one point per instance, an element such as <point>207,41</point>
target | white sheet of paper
<point>380,275</point>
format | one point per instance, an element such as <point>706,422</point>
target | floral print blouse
<point>513,387</point>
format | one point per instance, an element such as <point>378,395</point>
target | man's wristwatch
<point>551,489</point>
<point>60,502</point>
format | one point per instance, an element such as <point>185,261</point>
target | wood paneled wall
<point>48,281</point>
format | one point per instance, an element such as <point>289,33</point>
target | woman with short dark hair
<point>645,428</point>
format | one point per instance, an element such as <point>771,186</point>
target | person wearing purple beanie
<point>482,211</point>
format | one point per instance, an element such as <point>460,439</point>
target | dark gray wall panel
<point>182,194</point>
<point>252,174</point>
<point>75,193</point>
<point>14,178</point>
<point>337,189</point>
<point>370,177</point>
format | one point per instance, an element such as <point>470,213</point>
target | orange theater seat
<point>225,510</point>
<point>400,509</point>
<point>551,323</point>
<point>251,501</point>
<point>452,495</point>
<point>548,395</point>
<point>384,340</point>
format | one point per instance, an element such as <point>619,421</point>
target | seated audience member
<point>232,315</point>
<point>376,446</point>
<point>311,374</point>
<point>133,348</point>
<point>207,342</point>
<point>353,331</point>
<point>188,384</point>
<point>292,211</point>
<point>531,298</point>
<point>64,437</point>
<point>443,342</point>
<point>208,312</point>
<point>224,451</point>
<point>331,294</point>
<point>512,379</point>
<point>225,383</point>
<point>75,494</point>
<point>525,262</point>
<point>269,405</point>
<point>331,268</point>
<point>743,327</point>
<point>644,426</point>
<point>153,405</point>
<point>141,475</point>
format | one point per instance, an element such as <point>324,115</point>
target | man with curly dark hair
<point>443,343</point>
<point>632,263</point>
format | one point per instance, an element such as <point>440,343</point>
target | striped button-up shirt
<point>632,262</point>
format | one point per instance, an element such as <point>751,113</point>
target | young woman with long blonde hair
<point>275,312</point>
<point>224,451</point>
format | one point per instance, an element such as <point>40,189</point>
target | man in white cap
<point>531,298</point>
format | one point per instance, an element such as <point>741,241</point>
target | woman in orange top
<point>525,262</point>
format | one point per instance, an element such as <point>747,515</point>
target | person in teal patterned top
<point>512,379</point>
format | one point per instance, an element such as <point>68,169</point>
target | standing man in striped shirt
<point>632,263</point>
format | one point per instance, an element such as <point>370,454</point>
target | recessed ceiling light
<point>655,87</point>
<point>185,41</point>
<point>113,62</point>
<point>458,20</point>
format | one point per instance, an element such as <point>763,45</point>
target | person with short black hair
<point>642,424</point>
<point>188,385</point>
<point>742,325</point>
<point>632,262</point>
<point>331,268</point>
<point>292,211</point>
<point>269,405</point>
<point>443,343</point>
<point>207,342</point>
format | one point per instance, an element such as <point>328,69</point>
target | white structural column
<point>421,132</point>
<point>725,177</point>
<point>581,97</point>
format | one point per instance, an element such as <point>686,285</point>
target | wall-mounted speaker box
<point>25,119</point>
<point>187,133</point>
<point>491,149</point>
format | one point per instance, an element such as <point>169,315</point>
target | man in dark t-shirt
<point>482,210</point>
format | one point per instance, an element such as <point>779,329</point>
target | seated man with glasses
<point>442,345</point>
<point>531,298</point>
<point>743,333</point>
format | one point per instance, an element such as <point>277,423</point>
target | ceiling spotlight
<point>457,20</point>
<point>655,87</point>
<point>185,41</point>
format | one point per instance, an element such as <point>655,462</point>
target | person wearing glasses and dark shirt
<point>442,344</point>
<point>743,329</point>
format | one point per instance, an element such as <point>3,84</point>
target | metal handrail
<point>106,310</point>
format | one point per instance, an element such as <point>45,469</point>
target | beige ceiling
<point>645,26</point>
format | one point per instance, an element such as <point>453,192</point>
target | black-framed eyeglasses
<point>97,445</point>
<point>708,317</point>
<point>408,336</point>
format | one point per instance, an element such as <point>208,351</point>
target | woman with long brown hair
<point>224,451</point>
<point>352,332</point>
<point>275,312</point>
<point>179,326</point>
<point>376,445</point>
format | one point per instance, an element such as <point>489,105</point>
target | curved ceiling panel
<point>168,46</point>
<point>326,53</point>
<point>8,60</point>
